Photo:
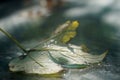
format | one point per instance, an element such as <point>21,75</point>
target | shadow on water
<point>95,34</point>
<point>8,7</point>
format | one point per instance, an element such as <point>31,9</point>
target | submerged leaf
<point>53,57</point>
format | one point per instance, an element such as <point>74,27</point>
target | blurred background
<point>31,21</point>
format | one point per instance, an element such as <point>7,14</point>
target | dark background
<point>99,30</point>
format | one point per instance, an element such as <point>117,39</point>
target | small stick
<point>14,40</point>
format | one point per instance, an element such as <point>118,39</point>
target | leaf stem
<point>14,40</point>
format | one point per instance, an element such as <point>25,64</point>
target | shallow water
<point>94,31</point>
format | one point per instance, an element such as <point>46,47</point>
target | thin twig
<point>14,40</point>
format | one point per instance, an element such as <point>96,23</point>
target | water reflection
<point>32,77</point>
<point>96,73</point>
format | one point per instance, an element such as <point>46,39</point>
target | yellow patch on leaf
<point>74,25</point>
<point>70,32</point>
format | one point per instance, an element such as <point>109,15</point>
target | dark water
<point>94,32</point>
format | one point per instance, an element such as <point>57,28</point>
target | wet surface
<point>99,30</point>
